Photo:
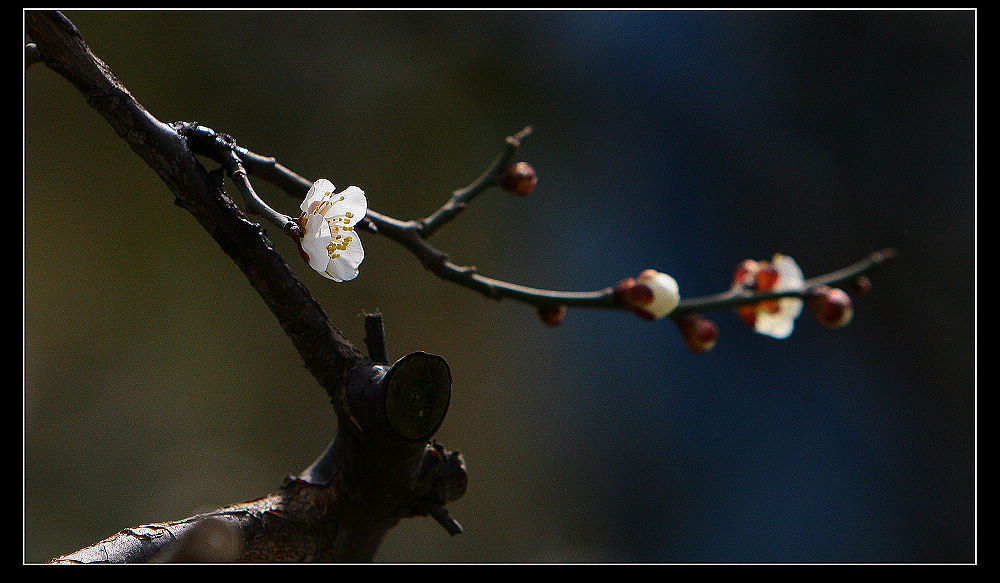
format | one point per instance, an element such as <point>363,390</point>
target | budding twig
<point>413,234</point>
<point>738,297</point>
<point>461,197</point>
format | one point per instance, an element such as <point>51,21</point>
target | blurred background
<point>157,384</point>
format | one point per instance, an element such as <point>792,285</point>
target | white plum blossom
<point>780,323</point>
<point>329,241</point>
<point>774,318</point>
<point>666,294</point>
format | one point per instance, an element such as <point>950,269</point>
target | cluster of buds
<point>654,295</point>
<point>832,307</point>
<point>329,243</point>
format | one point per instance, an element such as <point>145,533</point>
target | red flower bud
<point>831,306</point>
<point>519,178</point>
<point>700,334</point>
<point>551,315</point>
<point>747,315</point>
<point>631,293</point>
<point>624,293</point>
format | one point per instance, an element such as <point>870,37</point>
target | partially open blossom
<point>519,178</point>
<point>775,318</point>
<point>329,242</point>
<point>831,306</point>
<point>700,333</point>
<point>651,296</point>
<point>552,315</point>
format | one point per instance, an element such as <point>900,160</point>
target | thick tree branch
<point>327,353</point>
<point>375,472</point>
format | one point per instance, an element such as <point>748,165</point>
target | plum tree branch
<point>736,297</point>
<point>382,465</point>
<point>380,468</point>
<point>413,235</point>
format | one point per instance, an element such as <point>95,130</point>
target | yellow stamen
<point>335,246</point>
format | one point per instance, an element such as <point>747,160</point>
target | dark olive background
<point>156,383</point>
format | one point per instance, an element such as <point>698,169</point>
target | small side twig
<point>441,516</point>
<point>461,197</point>
<point>223,149</point>
<point>375,338</point>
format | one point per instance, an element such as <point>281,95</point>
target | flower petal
<point>347,208</point>
<point>342,269</point>
<point>775,325</point>
<point>789,274</point>
<point>315,240</point>
<point>666,294</point>
<point>354,254</point>
<point>317,192</point>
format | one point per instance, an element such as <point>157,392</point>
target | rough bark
<point>381,467</point>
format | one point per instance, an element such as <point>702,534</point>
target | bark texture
<point>381,467</point>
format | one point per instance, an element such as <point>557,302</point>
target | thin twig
<point>442,517</point>
<point>412,235</point>
<point>255,204</point>
<point>737,297</point>
<point>461,197</point>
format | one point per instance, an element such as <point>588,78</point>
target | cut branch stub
<point>417,392</point>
